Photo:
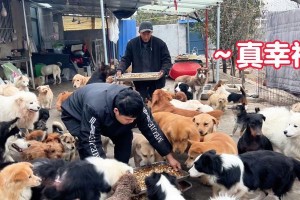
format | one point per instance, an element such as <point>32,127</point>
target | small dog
<point>41,123</point>
<point>101,73</point>
<point>162,186</point>
<point>79,80</point>
<point>240,118</point>
<point>68,142</point>
<point>61,98</point>
<point>252,139</point>
<point>143,153</point>
<point>8,89</point>
<point>238,98</point>
<point>218,141</point>
<point>16,178</point>
<point>45,96</point>
<point>126,186</point>
<point>196,82</point>
<point>183,87</point>
<point>22,83</point>
<point>218,100</point>
<point>53,69</point>
<point>14,147</point>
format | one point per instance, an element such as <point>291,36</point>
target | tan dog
<point>205,124</point>
<point>61,98</point>
<point>16,178</point>
<point>178,129</point>
<point>161,103</point>
<point>22,83</point>
<point>221,142</point>
<point>45,96</point>
<point>8,90</point>
<point>68,142</point>
<point>218,101</point>
<point>196,82</point>
<point>142,151</point>
<point>79,80</point>
<point>53,69</point>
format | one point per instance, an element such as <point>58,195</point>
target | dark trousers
<point>145,88</point>
<point>120,135</point>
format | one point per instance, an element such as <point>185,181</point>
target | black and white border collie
<point>87,179</point>
<point>261,170</point>
<point>185,88</point>
<point>162,186</point>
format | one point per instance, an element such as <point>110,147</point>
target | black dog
<point>252,139</point>
<point>238,98</point>
<point>185,88</point>
<point>241,116</point>
<point>41,124</point>
<point>101,73</point>
<point>7,129</point>
<point>159,184</point>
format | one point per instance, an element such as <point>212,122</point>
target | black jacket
<point>92,105</point>
<point>160,58</point>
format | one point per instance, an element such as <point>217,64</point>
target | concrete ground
<point>198,191</point>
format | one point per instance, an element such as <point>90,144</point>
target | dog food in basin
<point>139,76</point>
<point>142,172</point>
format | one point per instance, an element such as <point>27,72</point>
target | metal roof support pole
<point>206,38</point>
<point>103,32</point>
<point>218,42</point>
<point>28,45</point>
<point>188,35</point>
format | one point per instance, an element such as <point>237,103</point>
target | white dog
<point>52,69</point>
<point>23,105</point>
<point>45,96</point>
<point>14,147</point>
<point>191,105</point>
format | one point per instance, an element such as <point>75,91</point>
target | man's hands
<point>173,162</point>
<point>161,73</point>
<point>119,73</point>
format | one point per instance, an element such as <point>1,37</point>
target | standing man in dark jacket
<point>111,110</point>
<point>146,53</point>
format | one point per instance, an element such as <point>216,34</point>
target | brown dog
<point>16,178</point>
<point>161,103</point>
<point>196,82</point>
<point>61,98</point>
<point>205,123</point>
<point>178,129</point>
<point>79,80</point>
<point>221,142</point>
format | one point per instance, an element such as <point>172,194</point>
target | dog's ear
<point>263,117</point>
<point>213,152</point>
<point>194,119</point>
<point>19,100</point>
<point>198,70</point>
<point>216,122</point>
<point>38,88</point>
<point>47,86</point>
<point>62,137</point>
<point>20,176</point>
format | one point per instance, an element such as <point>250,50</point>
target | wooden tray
<point>148,76</point>
<point>180,175</point>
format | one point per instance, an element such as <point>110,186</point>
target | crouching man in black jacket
<point>111,110</point>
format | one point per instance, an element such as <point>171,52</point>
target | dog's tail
<point>296,167</point>
<point>59,64</point>
<point>243,91</point>
<point>57,127</point>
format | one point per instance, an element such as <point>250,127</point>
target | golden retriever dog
<point>61,98</point>
<point>45,96</point>
<point>8,90</point>
<point>296,107</point>
<point>16,178</point>
<point>24,105</point>
<point>161,103</point>
<point>68,142</point>
<point>142,151</point>
<point>54,70</point>
<point>221,142</point>
<point>178,129</point>
<point>22,83</point>
<point>79,80</point>
<point>205,123</point>
<point>38,149</point>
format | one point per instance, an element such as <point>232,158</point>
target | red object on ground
<point>184,68</point>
